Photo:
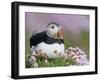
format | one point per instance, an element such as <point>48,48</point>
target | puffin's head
<point>54,30</point>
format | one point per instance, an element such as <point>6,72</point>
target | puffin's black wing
<point>37,38</point>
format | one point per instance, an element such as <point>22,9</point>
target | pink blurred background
<point>69,22</point>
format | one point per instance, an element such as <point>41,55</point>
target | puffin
<point>50,41</point>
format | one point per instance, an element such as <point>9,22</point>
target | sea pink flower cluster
<point>78,55</point>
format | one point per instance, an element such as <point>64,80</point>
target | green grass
<point>69,41</point>
<point>52,63</point>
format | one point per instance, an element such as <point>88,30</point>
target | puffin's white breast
<point>52,50</point>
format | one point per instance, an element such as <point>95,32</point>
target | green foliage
<point>57,62</point>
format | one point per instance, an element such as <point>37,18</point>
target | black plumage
<point>43,37</point>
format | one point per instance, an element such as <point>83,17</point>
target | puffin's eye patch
<point>52,27</point>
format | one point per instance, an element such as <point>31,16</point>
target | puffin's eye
<point>52,27</point>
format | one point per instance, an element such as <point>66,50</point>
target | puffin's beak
<point>60,34</point>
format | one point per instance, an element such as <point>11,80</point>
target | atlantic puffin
<point>50,41</point>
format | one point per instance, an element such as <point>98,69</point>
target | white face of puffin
<point>54,31</point>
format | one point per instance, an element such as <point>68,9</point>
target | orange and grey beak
<point>60,34</point>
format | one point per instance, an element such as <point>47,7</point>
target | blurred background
<point>74,26</point>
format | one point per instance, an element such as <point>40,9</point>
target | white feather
<point>50,48</point>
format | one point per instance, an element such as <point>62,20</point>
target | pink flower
<point>78,55</point>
